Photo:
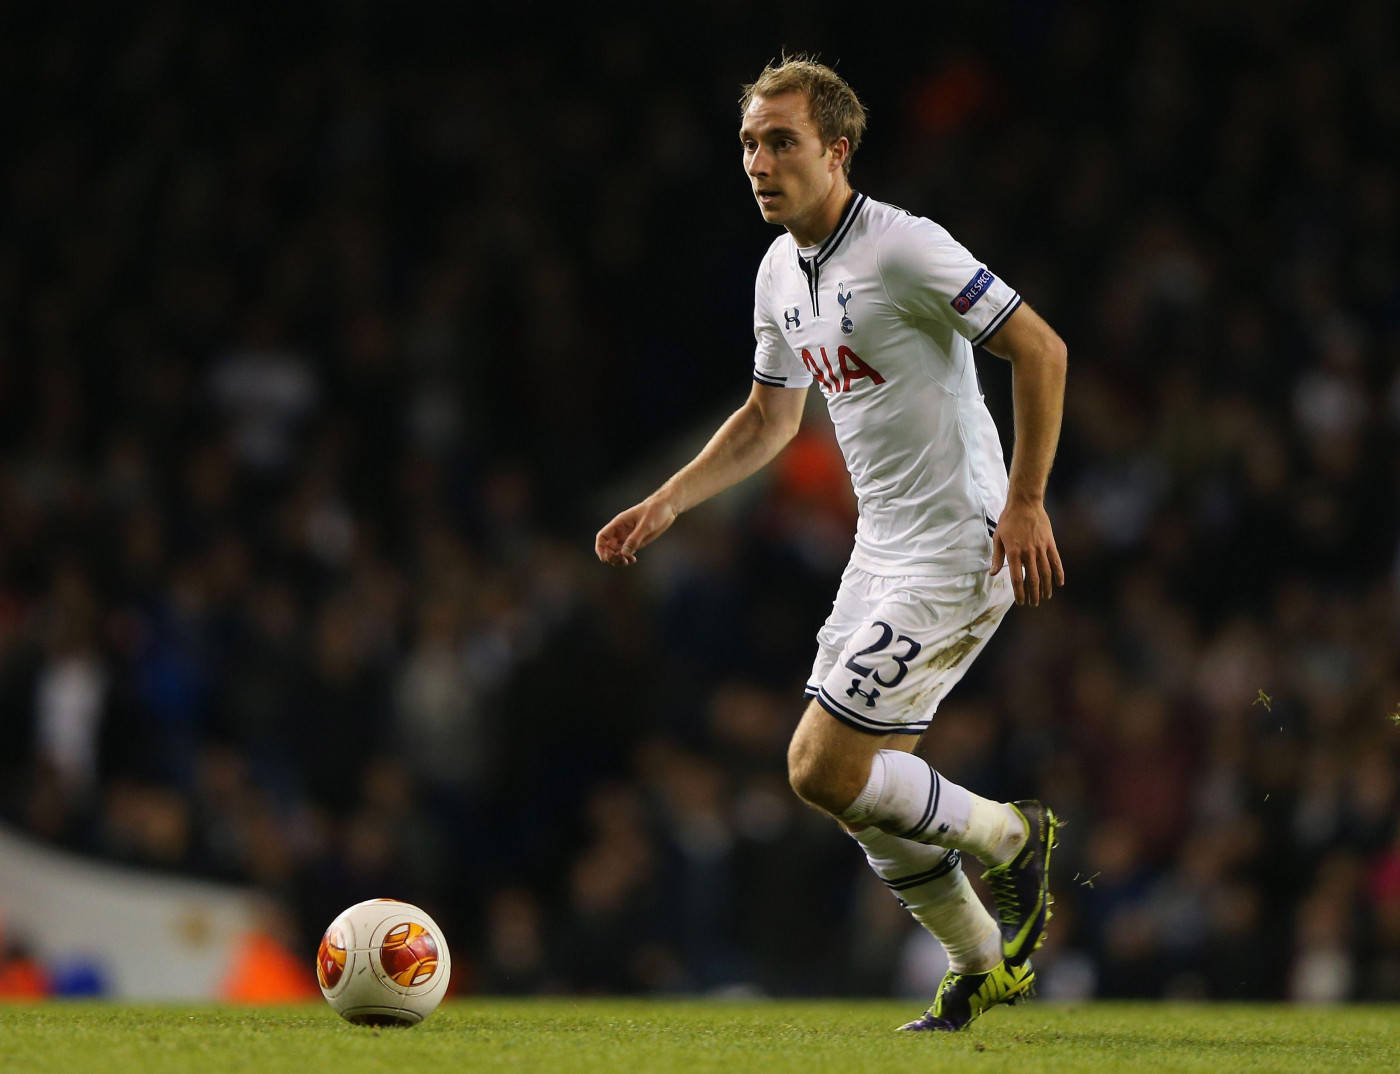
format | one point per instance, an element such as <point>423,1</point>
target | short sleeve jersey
<point>883,316</point>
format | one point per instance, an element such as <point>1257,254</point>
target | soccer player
<point>882,309</point>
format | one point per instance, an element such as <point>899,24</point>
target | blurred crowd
<point>331,337</point>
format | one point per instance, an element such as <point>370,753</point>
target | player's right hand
<point>619,541</point>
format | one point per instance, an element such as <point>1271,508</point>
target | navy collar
<point>843,227</point>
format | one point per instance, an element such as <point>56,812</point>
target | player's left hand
<point>1025,543</point>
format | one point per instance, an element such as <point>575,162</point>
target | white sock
<point>930,884</point>
<point>907,798</point>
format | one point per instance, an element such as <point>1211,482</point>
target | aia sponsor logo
<point>849,369</point>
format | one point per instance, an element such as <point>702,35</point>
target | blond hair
<point>832,104</point>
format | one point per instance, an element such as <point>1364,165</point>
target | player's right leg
<point>929,882</point>
<point>889,653</point>
<point>963,996</point>
<point>862,782</point>
<point>927,879</point>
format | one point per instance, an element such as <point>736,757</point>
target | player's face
<point>796,178</point>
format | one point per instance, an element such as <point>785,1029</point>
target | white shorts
<point>893,647</point>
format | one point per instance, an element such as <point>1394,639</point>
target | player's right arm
<point>745,443</point>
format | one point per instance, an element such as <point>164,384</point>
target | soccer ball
<point>383,963</point>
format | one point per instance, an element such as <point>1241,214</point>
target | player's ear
<point>840,150</point>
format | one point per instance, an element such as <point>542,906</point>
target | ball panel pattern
<point>409,954</point>
<point>330,957</point>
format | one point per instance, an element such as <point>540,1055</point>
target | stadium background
<point>331,335</point>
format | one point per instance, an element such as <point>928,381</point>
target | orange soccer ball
<point>383,962</point>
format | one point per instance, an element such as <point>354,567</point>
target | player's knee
<point>803,779</point>
<point>828,783</point>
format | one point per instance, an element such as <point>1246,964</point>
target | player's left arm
<point>1024,540</point>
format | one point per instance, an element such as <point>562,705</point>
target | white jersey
<point>883,315</point>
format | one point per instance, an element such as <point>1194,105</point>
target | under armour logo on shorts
<point>869,698</point>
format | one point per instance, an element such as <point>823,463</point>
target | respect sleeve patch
<point>975,289</point>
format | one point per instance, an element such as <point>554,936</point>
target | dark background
<point>332,334</point>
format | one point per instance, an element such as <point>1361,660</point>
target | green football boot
<point>1021,887</point>
<point>963,996</point>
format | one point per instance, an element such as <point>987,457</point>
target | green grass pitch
<point>641,1037</point>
